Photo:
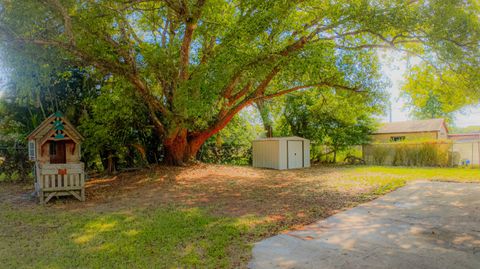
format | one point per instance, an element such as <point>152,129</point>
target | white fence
<point>469,152</point>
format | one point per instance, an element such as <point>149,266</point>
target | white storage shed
<point>281,152</point>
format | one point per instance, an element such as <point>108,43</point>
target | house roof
<point>412,126</point>
<point>281,138</point>
<point>465,136</point>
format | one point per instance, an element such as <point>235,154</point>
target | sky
<point>394,67</point>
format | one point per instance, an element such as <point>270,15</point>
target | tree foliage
<point>335,120</point>
<point>117,129</point>
<point>465,130</point>
<point>23,110</point>
<point>448,79</point>
<point>109,115</point>
<point>430,96</point>
<point>197,63</point>
<point>233,144</point>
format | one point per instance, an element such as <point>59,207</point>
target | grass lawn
<point>204,216</point>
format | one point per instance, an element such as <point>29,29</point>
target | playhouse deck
<point>59,180</point>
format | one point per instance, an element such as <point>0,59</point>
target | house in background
<point>461,149</point>
<point>433,129</point>
<point>464,137</point>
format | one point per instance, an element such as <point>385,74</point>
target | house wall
<point>464,151</point>
<point>73,152</point>
<point>443,134</point>
<point>383,138</point>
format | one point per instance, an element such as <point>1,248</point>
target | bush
<point>412,154</point>
<point>380,154</point>
<point>232,145</point>
<point>226,154</point>
<point>14,164</point>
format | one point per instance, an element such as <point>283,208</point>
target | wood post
<point>41,196</point>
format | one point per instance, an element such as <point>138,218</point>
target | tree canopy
<point>196,63</point>
<point>333,119</point>
<point>432,95</point>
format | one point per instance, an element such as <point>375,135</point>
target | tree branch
<point>322,84</point>
<point>191,25</point>
<point>293,47</point>
<point>67,20</point>
<point>241,93</point>
<point>365,46</point>
<point>227,91</point>
<point>108,66</point>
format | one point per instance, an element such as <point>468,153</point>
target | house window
<point>397,138</point>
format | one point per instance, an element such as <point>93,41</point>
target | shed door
<point>295,154</point>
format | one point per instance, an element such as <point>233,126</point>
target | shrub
<point>427,155</point>
<point>424,153</point>
<point>226,154</point>
<point>380,154</point>
<point>401,156</point>
<point>14,164</point>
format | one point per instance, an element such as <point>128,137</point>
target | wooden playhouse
<point>54,146</point>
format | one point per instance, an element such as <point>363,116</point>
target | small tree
<point>338,120</point>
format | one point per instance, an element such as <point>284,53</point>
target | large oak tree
<point>197,63</point>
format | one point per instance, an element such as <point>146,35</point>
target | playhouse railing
<point>61,179</point>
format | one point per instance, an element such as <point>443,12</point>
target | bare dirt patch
<point>281,196</point>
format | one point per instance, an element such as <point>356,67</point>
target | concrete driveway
<point>422,225</point>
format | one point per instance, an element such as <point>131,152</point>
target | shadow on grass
<point>162,238</point>
<point>178,217</point>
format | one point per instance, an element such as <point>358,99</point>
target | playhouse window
<point>31,150</point>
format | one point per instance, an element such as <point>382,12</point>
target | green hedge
<point>426,153</point>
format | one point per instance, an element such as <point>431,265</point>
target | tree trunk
<point>112,162</point>
<point>265,115</point>
<point>176,148</point>
<point>182,148</point>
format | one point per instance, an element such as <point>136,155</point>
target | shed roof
<point>281,138</point>
<point>412,126</point>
